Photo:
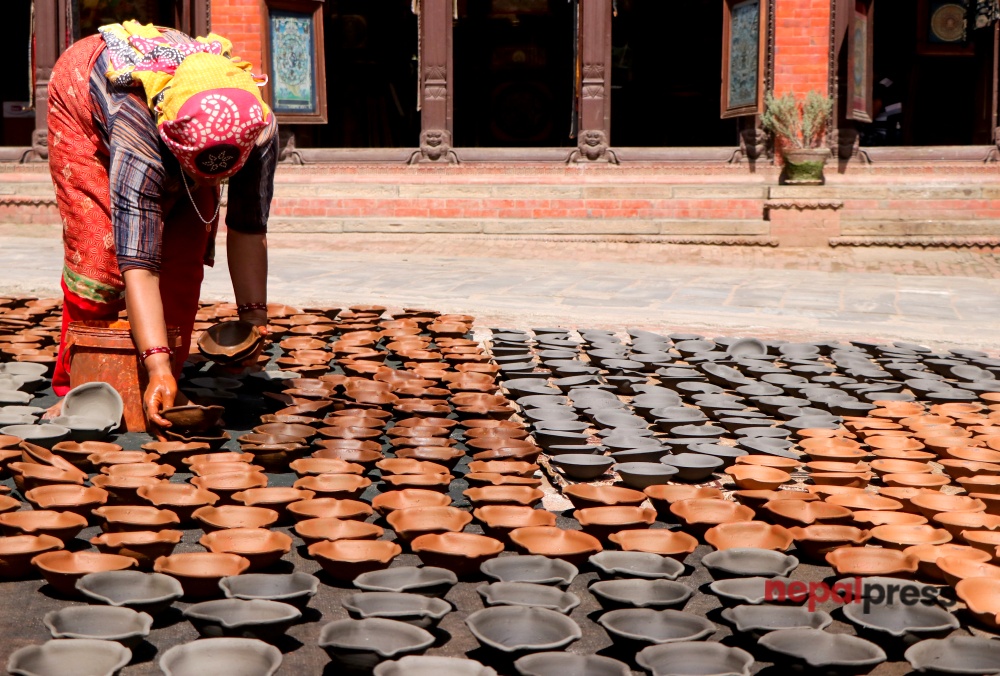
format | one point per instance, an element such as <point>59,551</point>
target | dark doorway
<point>92,14</point>
<point>666,75</point>
<point>928,92</point>
<point>18,120</point>
<point>371,74</point>
<point>514,73</point>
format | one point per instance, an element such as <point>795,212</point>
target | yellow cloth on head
<point>190,69</point>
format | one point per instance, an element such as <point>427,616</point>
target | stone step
<point>565,227</point>
<point>971,227</point>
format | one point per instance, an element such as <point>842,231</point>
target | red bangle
<point>146,354</point>
<point>250,307</point>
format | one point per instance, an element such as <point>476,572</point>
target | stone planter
<point>804,166</point>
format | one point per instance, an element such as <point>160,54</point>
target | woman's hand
<point>160,394</point>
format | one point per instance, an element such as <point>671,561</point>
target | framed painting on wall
<point>943,28</point>
<point>294,61</point>
<point>744,34</point>
<point>860,42</point>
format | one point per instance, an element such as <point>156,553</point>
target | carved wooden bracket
<point>435,147</point>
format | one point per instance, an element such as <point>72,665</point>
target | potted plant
<point>799,128</point>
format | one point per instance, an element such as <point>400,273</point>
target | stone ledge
<point>986,243</point>
<point>930,229</point>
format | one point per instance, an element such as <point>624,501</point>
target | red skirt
<point>92,285</point>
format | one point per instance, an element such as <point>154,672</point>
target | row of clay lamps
<point>29,330</point>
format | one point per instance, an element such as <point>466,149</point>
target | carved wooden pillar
<point>436,80</point>
<point>46,52</point>
<point>595,86</point>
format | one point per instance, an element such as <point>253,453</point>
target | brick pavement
<point>938,297</point>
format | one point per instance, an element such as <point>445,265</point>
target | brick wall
<point>801,46</point>
<point>239,20</point>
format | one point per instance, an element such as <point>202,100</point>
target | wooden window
<point>744,39</point>
<point>860,42</point>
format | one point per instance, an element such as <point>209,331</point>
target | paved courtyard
<point>937,297</point>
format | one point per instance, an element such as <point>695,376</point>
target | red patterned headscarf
<point>209,110</point>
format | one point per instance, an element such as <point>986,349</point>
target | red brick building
<point>598,118</point>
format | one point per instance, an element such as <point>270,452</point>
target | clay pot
<point>928,555</point>
<point>62,569</point>
<point>230,342</point>
<point>583,496</point>
<point>329,508</point>
<point>143,546</point>
<point>337,486</point>
<point>262,548</point>
<point>956,654</point>
<point>100,658</point>
<point>981,484</point>
<point>506,467</point>
<point>437,482</point>
<point>145,592</point>
<point>956,568</point>
<point>63,526</point>
<point>419,611</point>
<point>516,630</point>
<point>389,501</point>
<point>79,452</point>
<point>709,658</point>
<point>961,469</point>
<point>534,570</point>
<point>901,537</point>
<point>601,522</point>
<point>28,476</point>
<point>362,456</point>
<point>204,469</point>
<point>427,581</point>
<point>182,499</point>
<point>193,418</point>
<point>276,497</point>
<point>67,498</point>
<point>931,503</point>
<point>226,484</point>
<point>982,596</point>
<point>756,534</point>
<point>871,561</point>
<point>572,546</point>
<point>295,589</point>
<point>499,520</point>
<point>818,540</point>
<point>358,646</point>
<point>329,528</point>
<point>700,514</point>
<point>662,496</point>
<point>416,521</point>
<point>16,553</point>
<point>759,620</point>
<point>110,458</point>
<point>956,522</point>
<point>676,545</point>
<point>869,518</point>
<point>790,513</point>
<point>768,461</point>
<point>139,469</point>
<point>749,477</point>
<point>312,466</point>
<point>819,649</point>
<point>864,501</point>
<point>984,540</point>
<point>503,495</point>
<point>643,626</point>
<point>174,452</point>
<point>214,655</point>
<point>347,559</point>
<point>133,518</point>
<point>441,455</point>
<point>257,618</point>
<point>461,553</point>
<point>199,572</point>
